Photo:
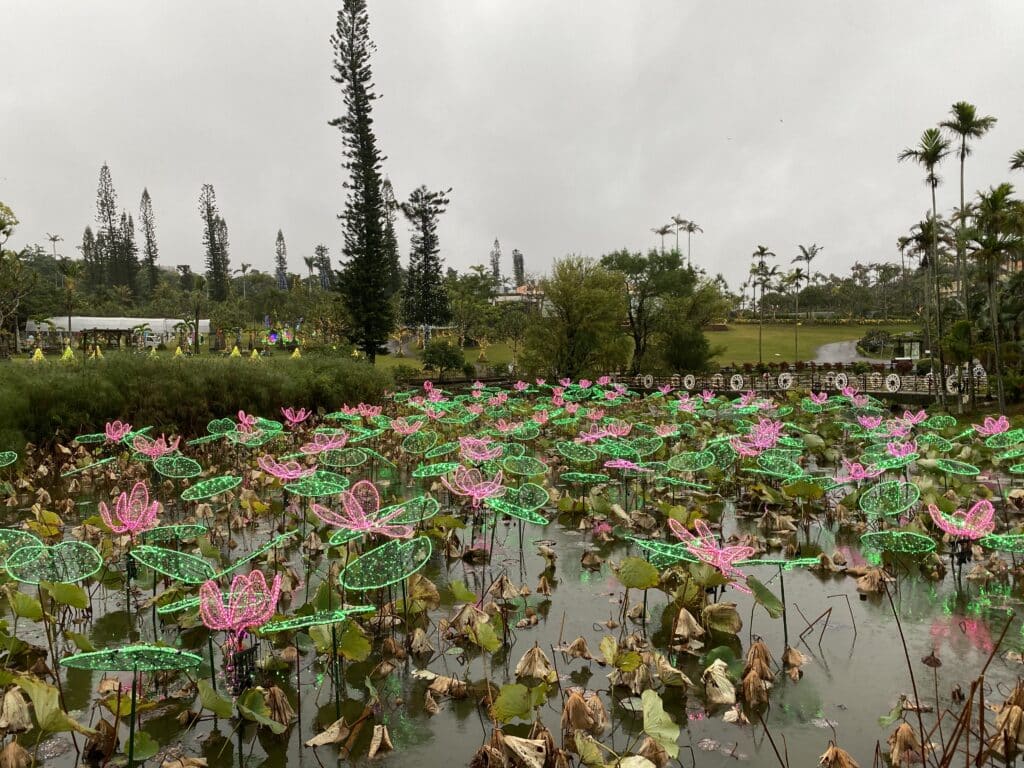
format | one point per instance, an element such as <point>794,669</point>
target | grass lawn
<point>497,355</point>
<point>740,341</point>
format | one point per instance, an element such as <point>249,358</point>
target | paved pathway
<point>840,352</point>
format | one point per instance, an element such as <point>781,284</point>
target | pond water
<point>855,670</point>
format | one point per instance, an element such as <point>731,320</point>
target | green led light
<point>315,619</point>
<point>692,461</point>
<point>387,564</point>
<point>180,566</point>
<point>678,483</point>
<point>1013,453</point>
<point>889,499</point>
<point>902,542</point>
<point>524,465</point>
<point>205,439</point>
<point>133,658</point>
<point>939,443</point>
<point>1004,542</point>
<point>87,467</point>
<point>889,463</point>
<point>1006,439</point>
<point>7,458</point>
<point>780,466</point>
<point>419,442</point>
<point>585,478</point>
<point>215,486</point>
<point>514,510</point>
<point>320,483</point>
<point>442,450</point>
<point>12,539</point>
<point>416,511</point>
<point>361,435</point>
<point>646,446</point>
<point>178,467</point>
<point>184,604</point>
<point>220,427</point>
<point>435,470</point>
<point>91,438</point>
<point>341,458</point>
<point>1016,469</point>
<point>272,544</point>
<point>67,562</point>
<point>527,431</point>
<point>672,553</point>
<point>172,533</point>
<point>957,467</point>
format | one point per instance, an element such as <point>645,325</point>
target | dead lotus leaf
<point>421,645</point>
<point>15,756</point>
<point>653,751</point>
<point>576,715</point>
<point>577,649</point>
<point>430,705</point>
<point>717,686</point>
<point>526,753</point>
<point>280,709</point>
<point>904,748</point>
<point>335,733</point>
<point>836,757</point>
<point>14,716</point>
<point>101,745</point>
<point>1009,732</point>
<point>870,583</point>
<point>185,762</point>
<point>598,713</point>
<point>535,664</point>
<point>381,741</point>
<point>668,674</point>
<point>686,627</point>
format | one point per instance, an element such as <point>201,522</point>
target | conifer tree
<point>496,265</point>
<point>518,268</point>
<point>147,220</point>
<point>281,262</point>
<point>394,265</point>
<point>94,276</point>
<point>425,301</point>
<point>215,241</point>
<point>321,254</point>
<point>107,236</point>
<point>365,281</point>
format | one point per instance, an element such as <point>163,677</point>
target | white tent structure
<point>158,326</point>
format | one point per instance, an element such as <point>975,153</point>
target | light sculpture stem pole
<point>131,721</point>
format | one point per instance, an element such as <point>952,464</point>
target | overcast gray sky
<point>562,125</point>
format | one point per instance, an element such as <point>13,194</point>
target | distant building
<point>149,331</point>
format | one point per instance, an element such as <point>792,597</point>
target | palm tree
<point>691,227</point>
<point>679,223</point>
<point>794,278</point>
<point>662,231</point>
<point>243,270</point>
<point>808,253</point>
<point>310,263</point>
<point>997,235</point>
<point>1017,161</point>
<point>965,124</point>
<point>70,272</point>
<point>763,276</point>
<point>929,152</point>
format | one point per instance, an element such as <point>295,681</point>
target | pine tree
<point>391,239</point>
<point>281,262</point>
<point>149,249</point>
<point>322,262</point>
<point>126,270</point>
<point>518,268</point>
<point>425,301</point>
<point>214,229</point>
<point>365,281</point>
<point>496,265</point>
<point>94,277</point>
<point>107,237</point>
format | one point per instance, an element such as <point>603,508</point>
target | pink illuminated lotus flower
<point>748,397</point>
<point>132,514</point>
<point>504,426</point>
<point>478,449</point>
<point>901,450</point>
<point>499,399</point>
<point>595,414</point>
<point>915,418</point>
<point>348,410</point>
<point>285,471</point>
<point>475,408</point>
<point>602,531</point>
<point>477,384</point>
<point>818,398</point>
<point>571,408</point>
<point>154,449</point>
<point>246,422</point>
<point>360,512</point>
<point>539,382</point>
<point>689,406</point>
<point>433,413</point>
<point>626,464</point>
<point>849,391</point>
<point>586,383</point>
<point>521,386</point>
<point>618,428</point>
<point>604,381</point>
<point>743,448</point>
<point>406,426</point>
<point>368,411</point>
<point>610,394</point>
<point>436,396</point>
<point>765,434</point>
<point>557,391</point>
<point>665,389</point>
<point>869,422</point>
<point>595,433</point>
<point>896,429</point>
<point>992,426</point>
<point>857,472</point>
<point>325,441</point>
<point>565,382</point>
<point>472,483</point>
<point>115,430</point>
<point>665,430</point>
<point>295,417</point>
<point>620,388</point>
<point>477,394</point>
<point>250,603</point>
<point>428,385</point>
<point>707,395</point>
<point>859,400</point>
<point>541,417</point>
<point>976,522</point>
<point>705,548</point>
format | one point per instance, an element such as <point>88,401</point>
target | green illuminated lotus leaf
<point>340,458</point>
<point>939,421</point>
<point>372,454</point>
<point>315,619</point>
<point>901,542</point>
<point>133,658</point>
<point>939,443</point>
<point>12,539</point>
<point>442,450</point>
<point>278,541</point>
<point>177,467</point>
<point>894,462</point>
<point>646,446</point>
<point>692,461</point>
<point>65,563</point>
<point>1005,439</point>
<point>419,442</point>
<point>527,431</point>
<point>809,406</point>
<point>87,467</point>
<point>513,450</point>
<point>585,478</point>
<point>361,435</point>
<point>212,487</point>
<point>1016,469</point>
<point>957,467</point>
<point>791,442</point>
<point>435,470</point>
<point>416,511</point>
<point>1013,453</point>
<point>528,496</point>
<point>1004,542</point>
<point>204,439</point>
<point>680,483</point>
<point>92,438</point>
<point>889,499</point>
<point>220,426</point>
<point>269,425</point>
<point>180,566</point>
<point>514,510</point>
<point>172,533</point>
<point>780,466</point>
<point>524,465</point>
<point>185,604</point>
<point>619,449</point>
<point>253,439</point>
<point>320,483</point>
<point>672,552</point>
<point>387,564</point>
<point>7,458</point>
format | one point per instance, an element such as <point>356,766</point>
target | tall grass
<point>53,400</point>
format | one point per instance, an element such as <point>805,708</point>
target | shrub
<point>42,402</point>
<point>443,356</point>
<point>925,365</point>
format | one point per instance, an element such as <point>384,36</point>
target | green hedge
<point>43,401</point>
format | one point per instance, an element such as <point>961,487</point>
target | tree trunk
<point>938,303</point>
<point>994,313</point>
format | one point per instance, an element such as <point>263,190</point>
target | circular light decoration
<point>315,619</point>
<point>133,658</point>
<point>957,467</point>
<point>689,381</point>
<point>524,465</point>
<point>172,533</point>
<point>7,458</point>
<point>339,458</point>
<point>177,467</point>
<point>87,467</point>
<point>372,454</point>
<point>435,470</point>
<point>901,542</point>
<point>889,499</point>
<point>584,478</point>
<point>387,564</point>
<point>419,442</point>
<point>1005,439</point>
<point>1004,542</point>
<point>893,382</point>
<point>514,510</point>
<point>736,382</point>
<point>692,461</point>
<point>215,486</point>
<point>785,381</point>
<point>180,566</point>
<point>67,562</point>
<point>320,483</point>
<point>92,438</point>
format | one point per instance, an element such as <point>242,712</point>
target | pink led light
<point>285,471</point>
<point>901,450</point>
<point>406,426</point>
<point>992,426</point>
<point>116,430</point>
<point>857,472</point>
<point>132,514</point>
<point>323,441</point>
<point>471,483</point>
<point>626,464</point>
<point>295,417</point>
<point>976,522</point>
<point>478,449</point>
<point>154,449</point>
<point>360,512</point>
<point>250,603</point>
<point>820,398</point>
<point>705,548</point>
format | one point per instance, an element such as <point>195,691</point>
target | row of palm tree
<point>678,224</point>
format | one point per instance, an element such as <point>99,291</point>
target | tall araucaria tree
<point>215,241</point>
<point>425,300</point>
<point>518,268</point>
<point>496,265</point>
<point>323,266</point>
<point>391,207</point>
<point>281,262</point>
<point>365,278</point>
<point>109,231</point>
<point>149,250</point>
<point>94,273</point>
